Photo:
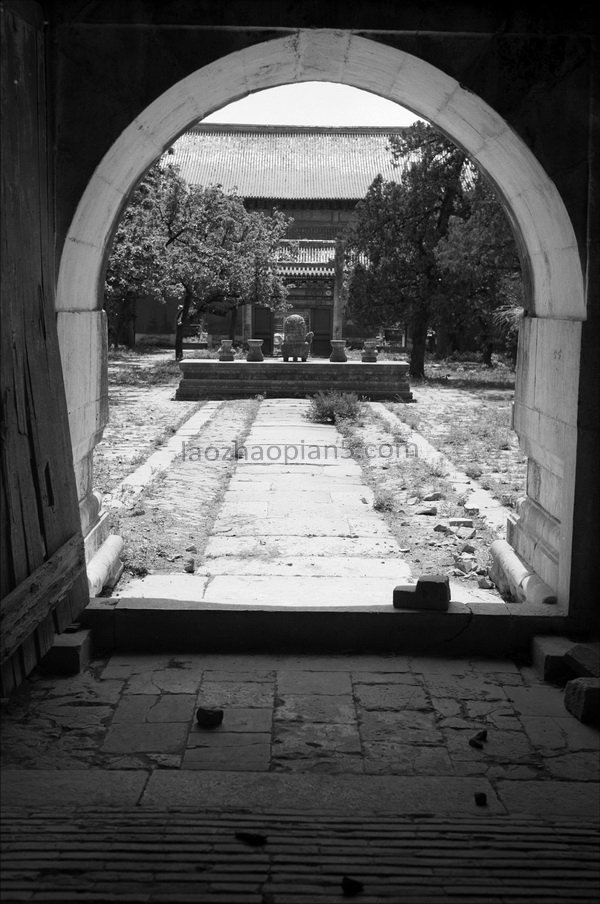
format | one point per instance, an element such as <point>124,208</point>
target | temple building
<point>315,175</point>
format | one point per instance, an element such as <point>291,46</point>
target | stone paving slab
<point>326,794</point>
<point>328,547</point>
<point>277,590</point>
<point>41,788</point>
<point>394,570</point>
<point>179,587</point>
<point>298,525</point>
<point>235,582</point>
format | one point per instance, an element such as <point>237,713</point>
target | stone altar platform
<point>210,379</point>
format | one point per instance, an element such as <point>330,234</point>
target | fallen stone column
<point>509,572</point>
<point>106,566</point>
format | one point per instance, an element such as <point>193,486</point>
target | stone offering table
<point>209,379</point>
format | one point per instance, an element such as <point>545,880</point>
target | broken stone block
<point>549,658</point>
<point>430,592</point>
<point>582,699</point>
<point>426,510</point>
<point>432,497</point>
<point>584,660</point>
<point>189,566</point>
<point>465,562</point>
<point>485,584</point>
<point>69,654</point>
<point>465,533</point>
<point>441,528</point>
<point>460,522</point>
<point>467,547</point>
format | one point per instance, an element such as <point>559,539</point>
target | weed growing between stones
<point>332,406</point>
<point>383,501</point>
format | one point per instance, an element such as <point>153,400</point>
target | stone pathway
<point>297,525</point>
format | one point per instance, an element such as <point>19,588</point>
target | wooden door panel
<point>43,584</point>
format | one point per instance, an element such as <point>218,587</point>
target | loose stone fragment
<point>426,510</point>
<point>460,522</point>
<point>189,566</point>
<point>351,886</point>
<point>432,497</point>
<point>481,798</point>
<point>209,717</point>
<point>254,839</point>
<point>485,584</point>
<point>441,528</point>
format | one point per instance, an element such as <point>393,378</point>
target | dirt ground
<point>463,411</point>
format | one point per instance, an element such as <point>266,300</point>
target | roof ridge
<point>273,129</point>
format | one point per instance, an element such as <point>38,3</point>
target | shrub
<point>332,406</point>
<point>384,501</point>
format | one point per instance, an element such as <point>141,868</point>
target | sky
<point>314,104</point>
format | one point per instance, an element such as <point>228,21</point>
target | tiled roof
<point>306,252</point>
<point>286,162</point>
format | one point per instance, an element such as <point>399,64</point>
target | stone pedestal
<point>369,354</point>
<point>209,379</point>
<point>338,351</point>
<point>255,350</point>
<point>226,350</point>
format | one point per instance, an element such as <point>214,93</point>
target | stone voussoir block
<point>582,699</point>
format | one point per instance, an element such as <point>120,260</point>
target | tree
<point>481,269</point>
<point>397,229</point>
<point>199,246</point>
<point>136,264</point>
<point>433,249</point>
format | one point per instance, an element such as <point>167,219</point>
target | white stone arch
<point>546,408</point>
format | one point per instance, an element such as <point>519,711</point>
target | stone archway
<point>545,410</point>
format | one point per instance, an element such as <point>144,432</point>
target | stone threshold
<point>152,625</point>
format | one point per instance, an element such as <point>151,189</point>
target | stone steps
<point>149,855</point>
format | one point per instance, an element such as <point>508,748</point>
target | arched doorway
<point>545,409</point>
